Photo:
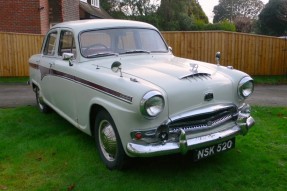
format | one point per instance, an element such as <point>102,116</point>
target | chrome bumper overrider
<point>243,124</point>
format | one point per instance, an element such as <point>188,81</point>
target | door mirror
<point>69,57</point>
<point>116,66</point>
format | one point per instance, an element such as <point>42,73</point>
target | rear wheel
<point>40,103</point>
<point>108,141</point>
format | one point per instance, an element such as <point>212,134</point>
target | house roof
<point>96,12</point>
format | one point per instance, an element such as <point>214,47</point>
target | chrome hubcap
<point>108,140</point>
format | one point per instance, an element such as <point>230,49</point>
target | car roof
<point>89,24</point>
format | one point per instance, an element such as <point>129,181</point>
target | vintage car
<point>119,82</point>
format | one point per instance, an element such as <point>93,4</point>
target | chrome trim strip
<point>52,72</point>
<point>35,66</point>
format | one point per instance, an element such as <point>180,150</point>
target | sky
<point>207,6</point>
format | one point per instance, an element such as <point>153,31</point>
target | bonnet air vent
<point>196,76</point>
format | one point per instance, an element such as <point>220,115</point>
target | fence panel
<point>15,50</point>
<point>254,54</point>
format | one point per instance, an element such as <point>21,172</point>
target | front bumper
<point>244,123</point>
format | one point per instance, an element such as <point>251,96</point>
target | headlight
<point>152,104</point>
<point>245,87</point>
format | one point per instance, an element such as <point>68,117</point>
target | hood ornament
<point>195,74</point>
<point>194,68</point>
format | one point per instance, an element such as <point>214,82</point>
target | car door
<point>62,80</point>
<point>47,57</point>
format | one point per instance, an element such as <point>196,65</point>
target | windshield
<point>110,42</point>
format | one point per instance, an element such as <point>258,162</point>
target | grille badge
<point>208,96</point>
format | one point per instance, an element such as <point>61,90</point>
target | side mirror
<point>116,66</point>
<point>69,57</point>
<point>170,48</point>
<point>217,57</point>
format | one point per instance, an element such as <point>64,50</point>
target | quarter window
<point>50,45</point>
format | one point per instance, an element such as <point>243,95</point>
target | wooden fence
<point>256,55</point>
<point>15,50</point>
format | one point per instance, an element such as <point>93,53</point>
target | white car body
<point>197,105</point>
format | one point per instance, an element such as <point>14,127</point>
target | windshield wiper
<point>102,54</point>
<point>136,51</point>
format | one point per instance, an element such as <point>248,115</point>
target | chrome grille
<point>204,121</point>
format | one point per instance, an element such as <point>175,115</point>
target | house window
<point>95,3</point>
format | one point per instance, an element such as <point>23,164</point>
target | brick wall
<point>71,10</point>
<point>44,16</point>
<point>55,11</point>
<point>35,16</point>
<point>20,16</point>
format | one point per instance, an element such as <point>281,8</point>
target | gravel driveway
<point>269,95</point>
<point>14,95</point>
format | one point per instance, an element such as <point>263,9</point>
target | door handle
<point>52,64</point>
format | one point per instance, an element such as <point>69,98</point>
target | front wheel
<point>108,141</point>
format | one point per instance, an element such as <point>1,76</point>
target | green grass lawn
<point>45,152</point>
<point>17,80</point>
<point>270,80</point>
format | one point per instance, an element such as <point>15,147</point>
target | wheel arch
<point>34,86</point>
<point>95,109</point>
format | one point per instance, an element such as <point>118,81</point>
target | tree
<point>131,7</point>
<point>169,13</point>
<point>230,9</point>
<point>243,24</point>
<point>273,18</point>
<point>195,10</point>
<point>111,6</point>
<point>180,14</point>
<point>177,15</point>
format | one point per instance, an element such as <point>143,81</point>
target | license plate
<point>213,149</point>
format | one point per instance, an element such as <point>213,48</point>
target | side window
<point>49,48</point>
<point>67,43</point>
